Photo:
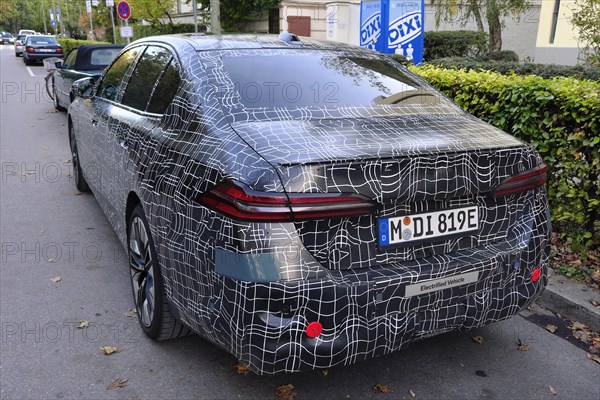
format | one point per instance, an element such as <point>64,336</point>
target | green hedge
<point>454,44</point>
<point>559,116</point>
<point>142,31</point>
<point>69,44</point>
<point>502,55</point>
<point>583,71</point>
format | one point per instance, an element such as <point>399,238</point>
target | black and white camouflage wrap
<point>252,287</point>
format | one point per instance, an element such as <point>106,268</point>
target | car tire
<point>26,61</point>
<point>80,182</point>
<point>57,105</point>
<point>147,284</point>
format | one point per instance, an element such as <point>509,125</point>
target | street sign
<point>110,3</point>
<point>88,6</point>
<point>126,32</point>
<point>53,23</point>
<point>124,10</point>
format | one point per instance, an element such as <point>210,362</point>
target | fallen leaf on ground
<point>523,346</point>
<point>131,312</point>
<point>56,279</point>
<point>78,193</point>
<point>108,350</point>
<point>51,260</point>
<point>286,392</point>
<point>571,257</point>
<point>117,384</point>
<point>69,161</point>
<point>242,369</point>
<point>551,328</point>
<point>477,339</point>
<point>325,372</point>
<point>379,388</point>
<point>593,357</point>
<point>595,341</point>
<point>552,390</point>
<point>412,394</point>
<point>83,324</point>
<point>596,276</point>
<point>578,326</point>
<point>595,303</point>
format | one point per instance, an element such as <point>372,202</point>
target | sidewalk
<point>571,299</point>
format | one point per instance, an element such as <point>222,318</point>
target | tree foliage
<point>235,14</point>
<point>153,11</point>
<point>493,11</point>
<point>586,18</point>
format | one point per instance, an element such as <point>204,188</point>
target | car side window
<point>166,89</point>
<point>108,88</point>
<point>70,60</point>
<point>143,79</point>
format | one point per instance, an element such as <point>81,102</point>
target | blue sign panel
<point>393,26</point>
<point>406,29</point>
<point>370,25</point>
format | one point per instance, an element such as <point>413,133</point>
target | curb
<point>571,299</point>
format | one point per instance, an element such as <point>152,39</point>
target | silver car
<point>19,40</point>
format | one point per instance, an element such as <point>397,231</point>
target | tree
<point>235,14</point>
<point>586,18</point>
<point>153,11</point>
<point>494,11</point>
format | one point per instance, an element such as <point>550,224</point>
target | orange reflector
<point>314,329</point>
<point>535,275</point>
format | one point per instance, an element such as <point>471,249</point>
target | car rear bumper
<point>367,313</point>
<point>41,56</point>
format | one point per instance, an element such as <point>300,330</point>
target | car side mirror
<point>58,64</point>
<point>83,87</point>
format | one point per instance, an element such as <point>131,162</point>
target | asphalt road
<point>49,230</point>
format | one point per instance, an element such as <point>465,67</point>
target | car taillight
<point>30,50</point>
<point>59,50</point>
<point>242,203</point>
<point>524,181</point>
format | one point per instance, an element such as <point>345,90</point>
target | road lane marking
<point>30,72</point>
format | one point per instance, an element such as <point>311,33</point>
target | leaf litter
<point>108,350</point>
<point>286,392</point>
<point>118,383</point>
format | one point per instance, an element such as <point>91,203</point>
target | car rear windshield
<point>103,57</point>
<point>42,40</point>
<point>315,80</point>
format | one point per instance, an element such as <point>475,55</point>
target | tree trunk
<point>494,25</point>
<point>215,16</point>
<point>474,5</point>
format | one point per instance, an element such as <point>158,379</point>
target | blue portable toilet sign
<point>393,26</point>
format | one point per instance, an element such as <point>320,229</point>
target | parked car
<point>305,204</point>
<point>84,61</point>
<point>40,47</point>
<point>7,38</point>
<point>19,40</point>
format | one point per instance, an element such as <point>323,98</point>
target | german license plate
<point>47,50</point>
<point>437,224</point>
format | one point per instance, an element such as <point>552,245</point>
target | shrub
<point>503,55</point>
<point>558,116</point>
<point>142,31</point>
<point>454,44</point>
<point>504,67</point>
<point>69,44</point>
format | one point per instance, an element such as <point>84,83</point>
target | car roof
<point>202,42</point>
<point>84,54</point>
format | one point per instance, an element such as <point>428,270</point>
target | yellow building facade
<point>557,39</point>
